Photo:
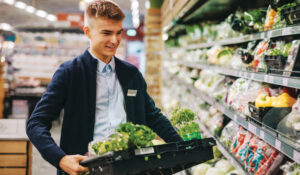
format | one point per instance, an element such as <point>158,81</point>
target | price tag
<point>235,117</point>
<point>221,108</point>
<point>252,76</point>
<point>251,128</point>
<point>262,135</point>
<point>271,79</point>
<point>240,74</point>
<point>287,31</point>
<point>171,4</point>
<point>262,35</point>
<point>251,37</point>
<point>245,74</point>
<point>296,156</point>
<point>269,34</point>
<point>266,78</point>
<point>278,144</point>
<point>285,81</point>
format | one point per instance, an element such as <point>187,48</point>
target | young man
<point>97,92</point>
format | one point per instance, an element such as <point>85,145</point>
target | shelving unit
<point>187,16</point>
<point>223,150</point>
<point>287,31</point>
<point>240,119</point>
<point>293,82</point>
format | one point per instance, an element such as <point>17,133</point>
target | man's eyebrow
<point>107,31</point>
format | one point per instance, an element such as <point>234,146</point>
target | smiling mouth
<point>111,47</point>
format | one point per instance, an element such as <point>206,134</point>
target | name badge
<point>131,93</point>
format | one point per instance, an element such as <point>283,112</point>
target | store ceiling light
<point>10,2</point>
<point>165,36</point>
<point>41,13</point>
<point>134,5</point>
<point>20,5</point>
<point>147,4</point>
<point>51,18</point>
<point>135,13</point>
<point>5,26</point>
<point>30,9</point>
<point>131,32</point>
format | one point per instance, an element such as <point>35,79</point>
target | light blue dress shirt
<point>110,103</point>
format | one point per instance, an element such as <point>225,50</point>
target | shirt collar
<point>101,64</point>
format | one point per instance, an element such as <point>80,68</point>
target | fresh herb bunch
<point>189,128</point>
<point>180,116</point>
<point>127,136</point>
<point>183,121</point>
<point>116,142</point>
<point>139,135</point>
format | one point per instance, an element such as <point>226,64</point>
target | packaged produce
<point>289,126</point>
<point>212,54</point>
<point>236,61</point>
<point>291,168</point>
<point>225,55</point>
<point>126,136</point>
<point>247,22</point>
<point>247,149</point>
<point>240,93</point>
<point>228,133</point>
<point>258,63</point>
<point>270,18</point>
<point>238,140</point>
<point>200,169</point>
<point>283,100</point>
<point>224,165</point>
<point>215,123</point>
<point>215,171</point>
<point>184,122</point>
<point>211,83</point>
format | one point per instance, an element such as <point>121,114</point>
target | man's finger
<point>82,169</point>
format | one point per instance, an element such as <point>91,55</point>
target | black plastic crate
<point>162,159</point>
<point>291,15</point>
<point>257,113</point>
<point>275,64</point>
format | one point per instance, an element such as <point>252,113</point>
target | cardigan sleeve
<point>48,109</point>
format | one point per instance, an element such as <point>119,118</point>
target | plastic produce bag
<point>229,131</point>
<point>270,18</point>
<point>291,168</point>
<point>290,125</point>
<point>238,140</point>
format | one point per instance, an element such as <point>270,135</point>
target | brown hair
<point>103,8</point>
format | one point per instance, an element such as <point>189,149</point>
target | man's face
<point>105,36</point>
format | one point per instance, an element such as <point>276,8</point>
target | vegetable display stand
<point>162,159</point>
<point>292,15</point>
<point>257,113</point>
<point>273,117</point>
<point>275,64</point>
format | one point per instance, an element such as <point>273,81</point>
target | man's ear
<point>86,31</point>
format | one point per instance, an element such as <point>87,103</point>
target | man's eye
<point>106,33</point>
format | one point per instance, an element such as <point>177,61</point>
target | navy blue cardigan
<point>73,88</point>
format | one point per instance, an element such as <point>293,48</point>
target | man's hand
<point>70,164</point>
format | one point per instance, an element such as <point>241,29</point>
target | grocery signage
<point>70,19</point>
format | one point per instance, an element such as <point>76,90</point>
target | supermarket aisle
<point>39,165</point>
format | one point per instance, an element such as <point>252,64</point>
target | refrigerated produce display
<point>239,74</point>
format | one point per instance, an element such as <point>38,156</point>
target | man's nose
<point>114,39</point>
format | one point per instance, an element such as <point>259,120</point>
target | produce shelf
<point>240,119</point>
<point>224,151</point>
<point>293,82</point>
<point>287,31</point>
